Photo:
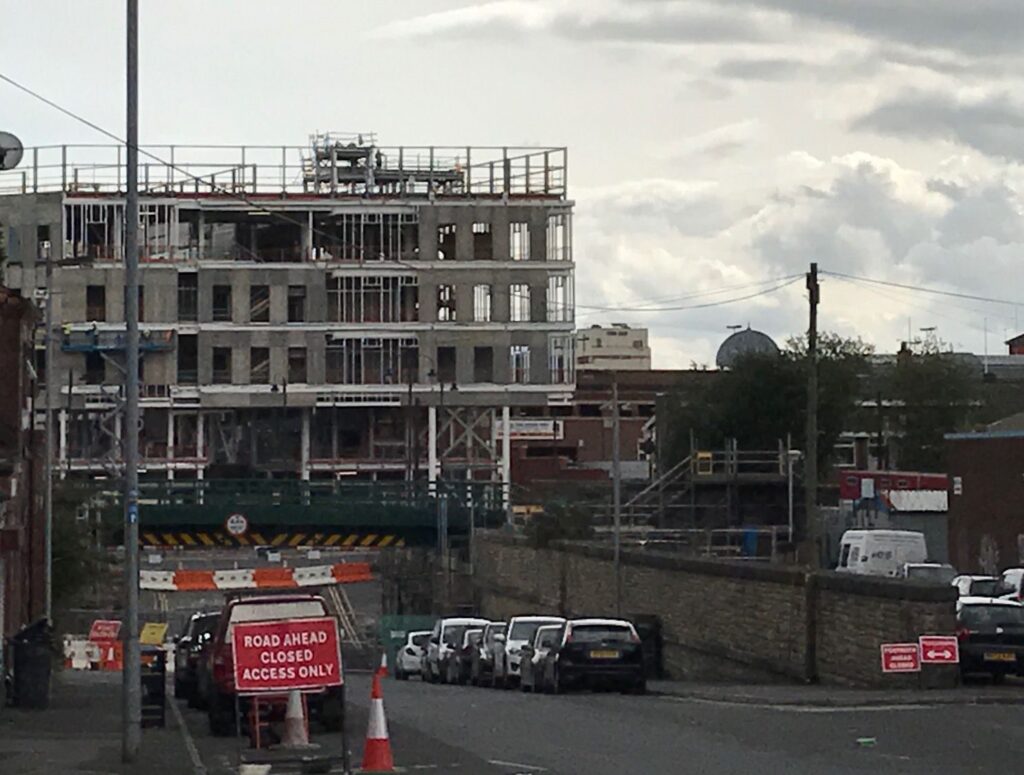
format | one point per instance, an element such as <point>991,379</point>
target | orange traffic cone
<point>382,671</point>
<point>295,731</point>
<point>377,751</point>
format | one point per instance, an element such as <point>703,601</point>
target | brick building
<point>21,531</point>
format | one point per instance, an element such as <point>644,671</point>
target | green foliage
<point>76,561</point>
<point>560,522</point>
<point>937,392</point>
<point>763,398</point>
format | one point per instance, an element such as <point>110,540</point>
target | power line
<point>720,303</point>
<point>700,294</point>
<point>923,289</point>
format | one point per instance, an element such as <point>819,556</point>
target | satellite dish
<point>11,151</point>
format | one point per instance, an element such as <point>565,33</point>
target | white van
<point>880,552</point>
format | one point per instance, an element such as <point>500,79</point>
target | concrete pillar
<point>433,469</point>
<point>307,237</point>
<point>62,454</point>
<point>304,460</point>
<point>200,444</point>
<point>170,444</point>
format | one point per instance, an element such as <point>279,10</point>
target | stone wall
<point>721,620</point>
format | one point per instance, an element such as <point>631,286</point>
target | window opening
<point>221,365</point>
<point>95,303</point>
<point>519,241</point>
<point>558,248</point>
<point>188,359</point>
<point>519,303</point>
<point>482,303</point>
<point>259,365</point>
<point>259,304</point>
<point>446,311</point>
<point>188,297</point>
<point>221,303</point>
<point>446,242</point>
<point>297,365</point>
<point>560,299</point>
<point>520,364</point>
<point>296,303</point>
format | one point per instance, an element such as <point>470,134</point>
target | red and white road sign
<point>939,649</point>
<point>901,658</point>
<point>288,654</point>
<point>105,629</point>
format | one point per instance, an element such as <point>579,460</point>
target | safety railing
<point>263,170</point>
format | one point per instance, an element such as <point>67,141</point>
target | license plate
<point>605,654</point>
<point>1000,656</point>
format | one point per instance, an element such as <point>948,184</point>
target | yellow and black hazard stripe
<point>205,539</point>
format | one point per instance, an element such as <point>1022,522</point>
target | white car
<point>1013,581</point>
<point>508,654</point>
<point>410,655</point>
<point>978,586</point>
<point>531,667</point>
<point>445,638</point>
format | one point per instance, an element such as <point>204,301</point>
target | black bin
<point>648,627</point>
<point>154,686</point>
<point>32,654</point>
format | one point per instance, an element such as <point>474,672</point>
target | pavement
<point>815,695</point>
<point>676,728</point>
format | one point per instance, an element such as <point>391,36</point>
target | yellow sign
<point>153,633</point>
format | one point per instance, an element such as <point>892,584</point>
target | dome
<point>740,343</point>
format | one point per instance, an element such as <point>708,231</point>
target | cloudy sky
<point>715,147</point>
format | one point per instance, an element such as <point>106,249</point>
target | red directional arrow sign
<point>939,649</point>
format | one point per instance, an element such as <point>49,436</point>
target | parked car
<point>595,653</point>
<point>409,656</point>
<point>461,661</point>
<point>481,671</point>
<point>187,649</point>
<point>1013,583</point>
<point>979,586</point>
<point>929,572</point>
<point>520,631</point>
<point>991,635</point>
<point>444,639</point>
<point>880,552</point>
<point>327,705</point>
<point>531,667</point>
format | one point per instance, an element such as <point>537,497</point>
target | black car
<point>595,653</point>
<point>991,635</point>
<point>187,651</point>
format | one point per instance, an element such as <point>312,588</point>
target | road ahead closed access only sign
<point>289,654</point>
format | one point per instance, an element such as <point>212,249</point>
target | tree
<point>763,398</point>
<point>936,392</point>
<point>76,561</point>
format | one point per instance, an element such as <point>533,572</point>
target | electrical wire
<point>700,294</point>
<point>923,289</point>
<point>720,303</point>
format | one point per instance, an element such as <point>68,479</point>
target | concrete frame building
<point>336,309</point>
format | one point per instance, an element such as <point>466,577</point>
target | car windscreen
<point>526,630</point>
<point>453,633</point>
<point>938,574</point>
<point>988,617</point>
<point>421,640</point>
<point>596,633</point>
<point>275,610</point>
<point>206,624</point>
<point>988,588</point>
<point>474,638</point>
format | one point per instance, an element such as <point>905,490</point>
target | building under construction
<point>341,309</point>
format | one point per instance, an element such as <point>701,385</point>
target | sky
<point>715,148</point>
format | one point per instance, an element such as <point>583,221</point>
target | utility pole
<point>811,453</point>
<point>132,680</point>
<point>51,376</point>
<point>617,493</point>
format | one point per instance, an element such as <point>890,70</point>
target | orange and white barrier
<point>254,578</point>
<point>377,750</point>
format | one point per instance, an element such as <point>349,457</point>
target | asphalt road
<point>467,730</point>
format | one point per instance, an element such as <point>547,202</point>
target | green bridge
<point>196,514</point>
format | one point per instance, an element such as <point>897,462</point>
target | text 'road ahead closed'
<point>288,654</point>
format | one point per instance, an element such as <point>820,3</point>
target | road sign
<point>153,633</point>
<point>236,524</point>
<point>105,629</point>
<point>939,649</point>
<point>901,658</point>
<point>287,654</point>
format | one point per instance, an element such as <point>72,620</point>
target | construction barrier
<point>205,539</point>
<point>255,578</point>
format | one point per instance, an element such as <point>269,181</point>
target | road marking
<point>517,765</point>
<point>805,708</point>
<point>198,768</point>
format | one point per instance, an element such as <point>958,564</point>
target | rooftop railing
<point>337,169</point>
